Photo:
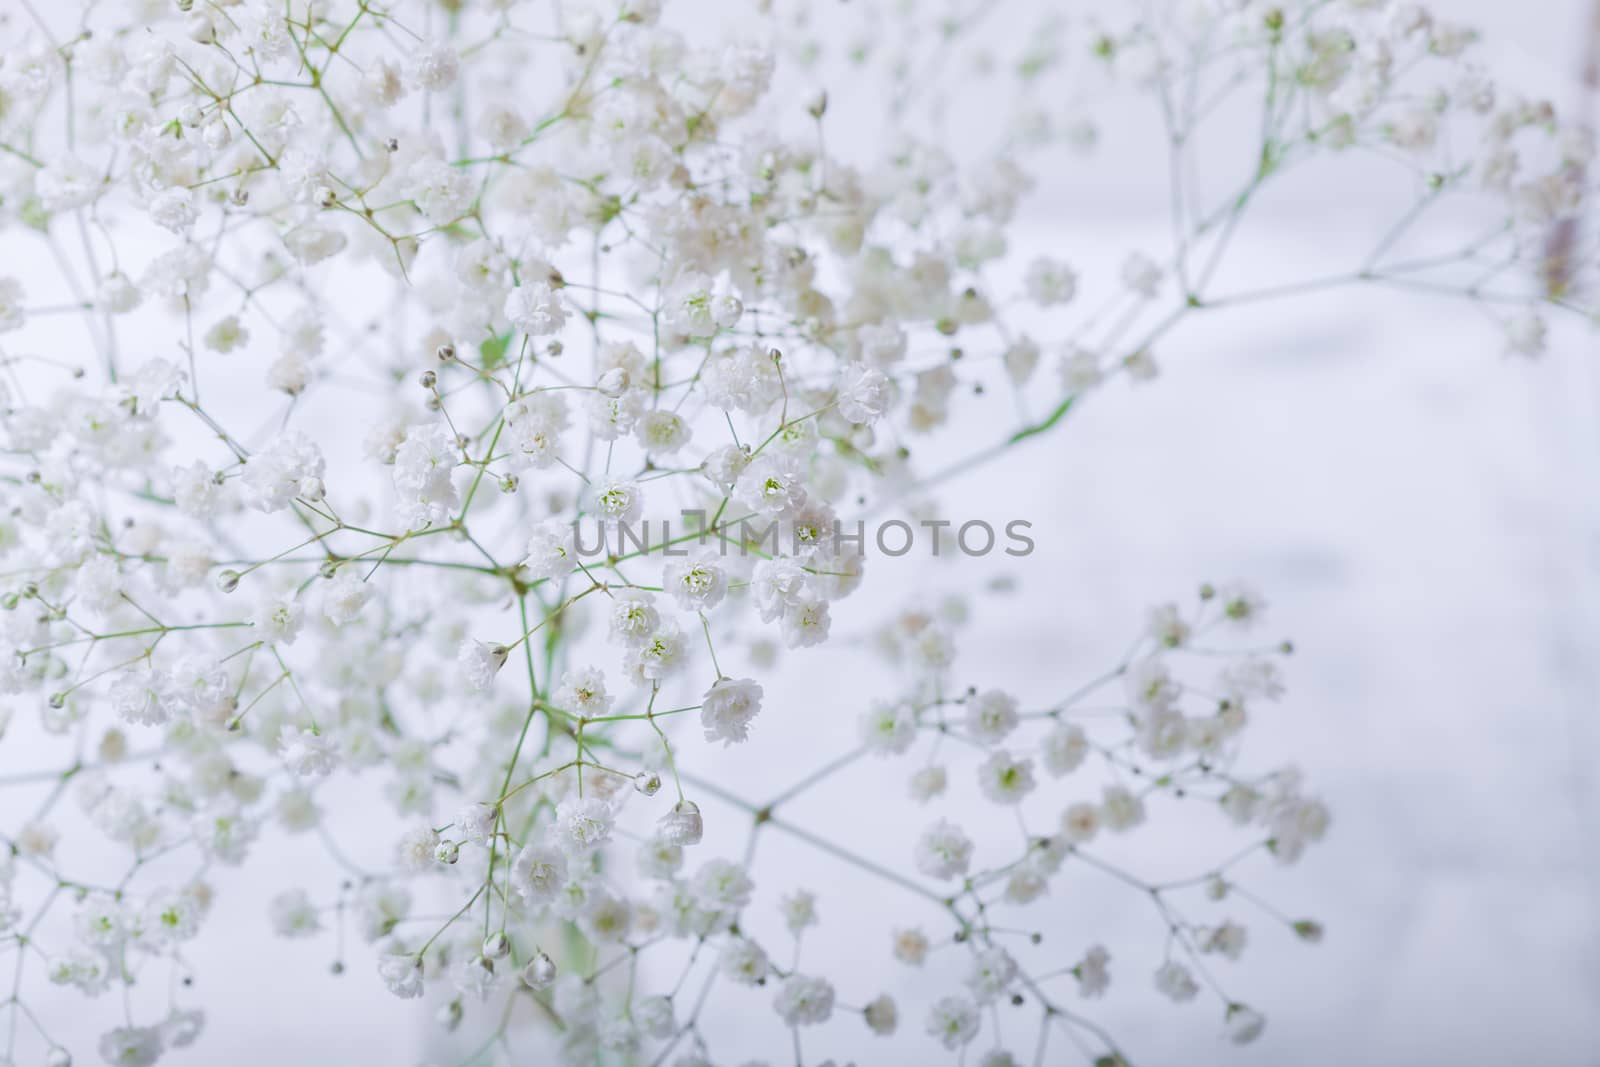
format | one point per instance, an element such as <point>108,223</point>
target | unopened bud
<point>540,971</point>
<point>682,825</point>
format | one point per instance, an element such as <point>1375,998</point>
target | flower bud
<point>682,825</point>
<point>497,945</point>
<point>647,782</point>
<point>540,971</point>
<point>881,1015</point>
<point>200,29</point>
<point>447,852</point>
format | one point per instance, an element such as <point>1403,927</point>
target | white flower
<point>659,654</point>
<point>1241,604</point>
<point>344,596</point>
<point>618,501</point>
<point>474,976</point>
<point>552,550</point>
<point>778,585</point>
<point>418,848</point>
<point>799,910</point>
<point>804,1001</point>
<point>1005,779</point>
<point>1080,369</point>
<point>382,906</point>
<point>943,851</point>
<point>1120,810</point>
<point>479,663</point>
<point>308,753</point>
<point>582,825</point>
<point>633,617</point>
<point>1050,281</point>
<point>12,311</point>
<point>654,1016</point>
<point>882,1017</point>
<point>195,490</point>
<point>863,393</point>
<point>277,619</point>
<point>1244,1025</point>
<point>1174,980</point>
<point>99,584</point>
<point>401,975</point>
<point>1064,749</point>
<point>1142,275</point>
<point>1080,822</point>
<point>953,1021</point>
<point>688,307</point>
<point>1092,972</point>
<point>743,961</point>
<point>721,886</point>
<point>662,432</point>
<point>806,623</point>
<point>583,693</point>
<point>131,1046</point>
<point>313,244</point>
<point>1168,626</point>
<point>137,697</point>
<point>1525,335</point>
<point>293,915</point>
<point>1151,687</point>
<point>1021,358</point>
<point>991,716</point>
<point>697,584</point>
<point>990,974</point>
<point>728,707</point>
<point>887,729</point>
<point>292,467</point>
<point>910,947</point>
<point>928,783</point>
<point>225,837</point>
<point>1229,939</point>
<point>535,309</point>
<point>538,873</point>
<point>423,465</point>
<point>432,66</point>
<point>771,485</point>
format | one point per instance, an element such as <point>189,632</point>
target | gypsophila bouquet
<point>450,411</point>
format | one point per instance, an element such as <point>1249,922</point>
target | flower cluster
<point>332,330</point>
